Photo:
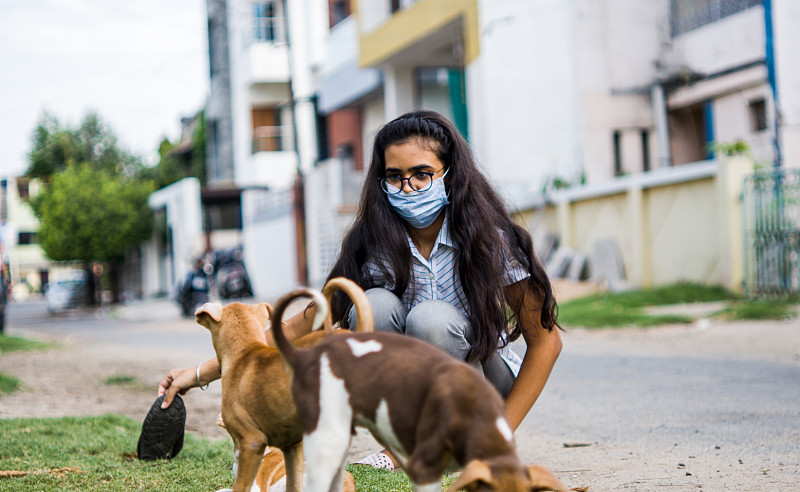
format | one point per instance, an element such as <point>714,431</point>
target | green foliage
<point>55,148</point>
<point>11,344</point>
<point>730,149</point>
<point>178,161</point>
<point>91,215</point>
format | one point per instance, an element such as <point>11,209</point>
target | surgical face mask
<point>421,208</point>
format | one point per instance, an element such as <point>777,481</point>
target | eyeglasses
<point>418,182</point>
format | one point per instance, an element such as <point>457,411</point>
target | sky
<point>140,65</point>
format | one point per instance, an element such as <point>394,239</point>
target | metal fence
<point>771,205</point>
<point>686,15</point>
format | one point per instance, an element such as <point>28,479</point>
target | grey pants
<point>438,323</point>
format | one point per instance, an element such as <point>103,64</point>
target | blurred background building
<point>570,106</point>
<point>622,132</point>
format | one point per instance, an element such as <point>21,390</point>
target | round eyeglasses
<point>418,182</point>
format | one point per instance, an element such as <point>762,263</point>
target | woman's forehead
<point>410,153</point>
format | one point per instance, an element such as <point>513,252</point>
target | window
<point>264,22</point>
<point>617,153</point>
<point>685,15</point>
<point>645,150</point>
<point>28,238</point>
<point>758,115</point>
<point>339,10</point>
<point>267,130</point>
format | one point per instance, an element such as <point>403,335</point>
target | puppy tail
<point>287,350</point>
<point>356,294</point>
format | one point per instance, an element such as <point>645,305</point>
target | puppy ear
<point>542,479</point>
<point>268,307</point>
<point>475,471</point>
<point>208,310</point>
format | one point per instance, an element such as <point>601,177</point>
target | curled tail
<point>287,350</point>
<point>356,294</point>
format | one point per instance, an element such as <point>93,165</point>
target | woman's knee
<point>388,312</point>
<point>441,325</point>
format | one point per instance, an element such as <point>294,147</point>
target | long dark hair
<point>480,227</point>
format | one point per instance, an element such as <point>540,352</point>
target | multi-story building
<point>575,91</point>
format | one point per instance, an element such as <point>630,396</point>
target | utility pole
<point>298,191</point>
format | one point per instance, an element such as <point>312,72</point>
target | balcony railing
<point>686,15</point>
<point>267,139</point>
<point>268,30</point>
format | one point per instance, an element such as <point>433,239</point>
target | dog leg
<point>293,457</point>
<point>251,452</point>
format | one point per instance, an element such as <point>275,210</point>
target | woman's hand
<point>179,381</point>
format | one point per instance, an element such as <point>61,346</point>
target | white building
<point>581,90</point>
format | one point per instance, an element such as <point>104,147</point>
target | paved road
<point>651,417</point>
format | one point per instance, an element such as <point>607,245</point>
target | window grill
<point>686,15</point>
<point>771,205</point>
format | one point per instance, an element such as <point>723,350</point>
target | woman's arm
<point>179,381</point>
<point>543,348</point>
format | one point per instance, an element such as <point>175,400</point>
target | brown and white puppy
<point>431,411</point>
<point>257,409</point>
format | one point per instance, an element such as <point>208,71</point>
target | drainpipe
<point>660,124</point>
<point>770,55</point>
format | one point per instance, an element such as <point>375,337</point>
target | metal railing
<point>268,30</point>
<point>685,15</point>
<point>771,205</point>
<point>267,139</point>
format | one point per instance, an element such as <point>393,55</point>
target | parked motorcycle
<point>230,274</point>
<point>194,290</point>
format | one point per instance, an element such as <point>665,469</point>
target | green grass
<point>8,384</point>
<point>761,309</point>
<point>120,380</point>
<point>103,448</point>
<point>11,344</point>
<point>609,310</point>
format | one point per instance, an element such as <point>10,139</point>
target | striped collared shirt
<point>437,279</point>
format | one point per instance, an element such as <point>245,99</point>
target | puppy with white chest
<point>431,411</point>
<point>257,409</point>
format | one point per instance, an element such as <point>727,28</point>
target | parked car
<point>67,290</point>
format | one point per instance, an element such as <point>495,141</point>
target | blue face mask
<point>420,209</point>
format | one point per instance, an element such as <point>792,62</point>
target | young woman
<point>440,259</point>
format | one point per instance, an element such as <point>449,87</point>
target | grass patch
<point>103,448</point>
<point>8,384</point>
<point>120,380</point>
<point>760,309</point>
<point>609,310</point>
<point>370,479</point>
<point>11,344</point>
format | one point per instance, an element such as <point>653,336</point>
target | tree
<point>92,215</point>
<point>184,159</point>
<point>55,148</point>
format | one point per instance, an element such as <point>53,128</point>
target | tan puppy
<point>431,411</point>
<point>272,471</point>
<point>257,408</point>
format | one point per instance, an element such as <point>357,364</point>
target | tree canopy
<point>55,148</point>
<point>90,215</point>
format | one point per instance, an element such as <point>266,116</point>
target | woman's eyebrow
<point>418,167</point>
